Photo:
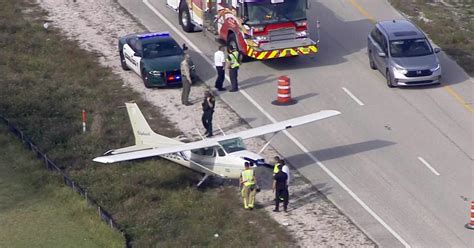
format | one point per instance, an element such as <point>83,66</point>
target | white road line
<point>353,97</point>
<point>291,137</point>
<point>428,165</point>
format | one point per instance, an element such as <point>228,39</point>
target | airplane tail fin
<point>144,135</point>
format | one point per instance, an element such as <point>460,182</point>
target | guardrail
<point>50,165</point>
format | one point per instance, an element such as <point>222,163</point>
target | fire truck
<point>259,29</point>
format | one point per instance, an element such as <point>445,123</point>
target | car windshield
<point>264,12</point>
<point>410,48</point>
<point>160,48</point>
<point>232,145</point>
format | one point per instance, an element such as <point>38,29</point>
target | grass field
<point>37,209</point>
<point>450,23</point>
<point>47,81</point>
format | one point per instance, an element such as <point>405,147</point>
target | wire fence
<point>50,165</point>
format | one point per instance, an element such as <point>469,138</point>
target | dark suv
<point>401,52</point>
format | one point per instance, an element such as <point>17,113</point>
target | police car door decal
<point>130,58</point>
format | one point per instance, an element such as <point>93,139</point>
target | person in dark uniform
<point>280,187</point>
<point>207,111</point>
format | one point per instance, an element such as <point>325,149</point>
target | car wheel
<point>371,61</point>
<point>232,42</point>
<point>123,63</point>
<point>145,79</point>
<point>185,18</point>
<point>389,78</point>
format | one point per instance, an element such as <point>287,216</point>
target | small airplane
<point>222,156</point>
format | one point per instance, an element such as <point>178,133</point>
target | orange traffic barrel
<point>470,225</point>
<point>284,92</point>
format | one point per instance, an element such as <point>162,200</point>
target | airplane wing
<point>250,133</point>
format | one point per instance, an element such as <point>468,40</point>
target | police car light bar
<point>150,35</point>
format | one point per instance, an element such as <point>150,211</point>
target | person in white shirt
<point>219,63</point>
<point>286,169</point>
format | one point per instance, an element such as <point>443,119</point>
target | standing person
<point>186,79</point>
<point>233,65</point>
<point>280,187</point>
<point>277,161</point>
<point>248,181</point>
<point>207,111</point>
<point>286,169</point>
<point>219,63</point>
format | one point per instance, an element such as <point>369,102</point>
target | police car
<point>156,57</point>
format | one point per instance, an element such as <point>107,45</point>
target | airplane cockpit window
<point>207,151</point>
<point>233,145</point>
<point>220,152</point>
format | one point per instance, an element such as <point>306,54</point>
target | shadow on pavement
<point>339,151</point>
<point>258,80</point>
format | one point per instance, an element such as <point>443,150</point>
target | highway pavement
<point>398,162</point>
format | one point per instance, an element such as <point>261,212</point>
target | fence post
<point>73,188</point>
<point>111,223</point>
<point>100,216</point>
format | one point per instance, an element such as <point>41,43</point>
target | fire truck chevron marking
<point>262,55</point>
<point>250,51</point>
<point>273,54</point>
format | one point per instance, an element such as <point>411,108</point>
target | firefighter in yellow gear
<point>248,182</point>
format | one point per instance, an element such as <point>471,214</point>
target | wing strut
<point>268,143</point>
<point>202,180</point>
<point>199,133</point>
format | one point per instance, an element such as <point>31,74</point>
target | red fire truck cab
<point>259,29</point>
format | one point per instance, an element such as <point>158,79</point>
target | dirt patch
<point>313,220</point>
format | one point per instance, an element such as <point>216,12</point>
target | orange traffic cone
<point>284,92</point>
<point>470,225</point>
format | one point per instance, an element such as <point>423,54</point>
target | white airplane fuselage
<point>227,165</point>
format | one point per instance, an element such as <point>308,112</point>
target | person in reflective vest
<point>277,164</point>
<point>249,186</point>
<point>233,65</point>
<point>285,168</point>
